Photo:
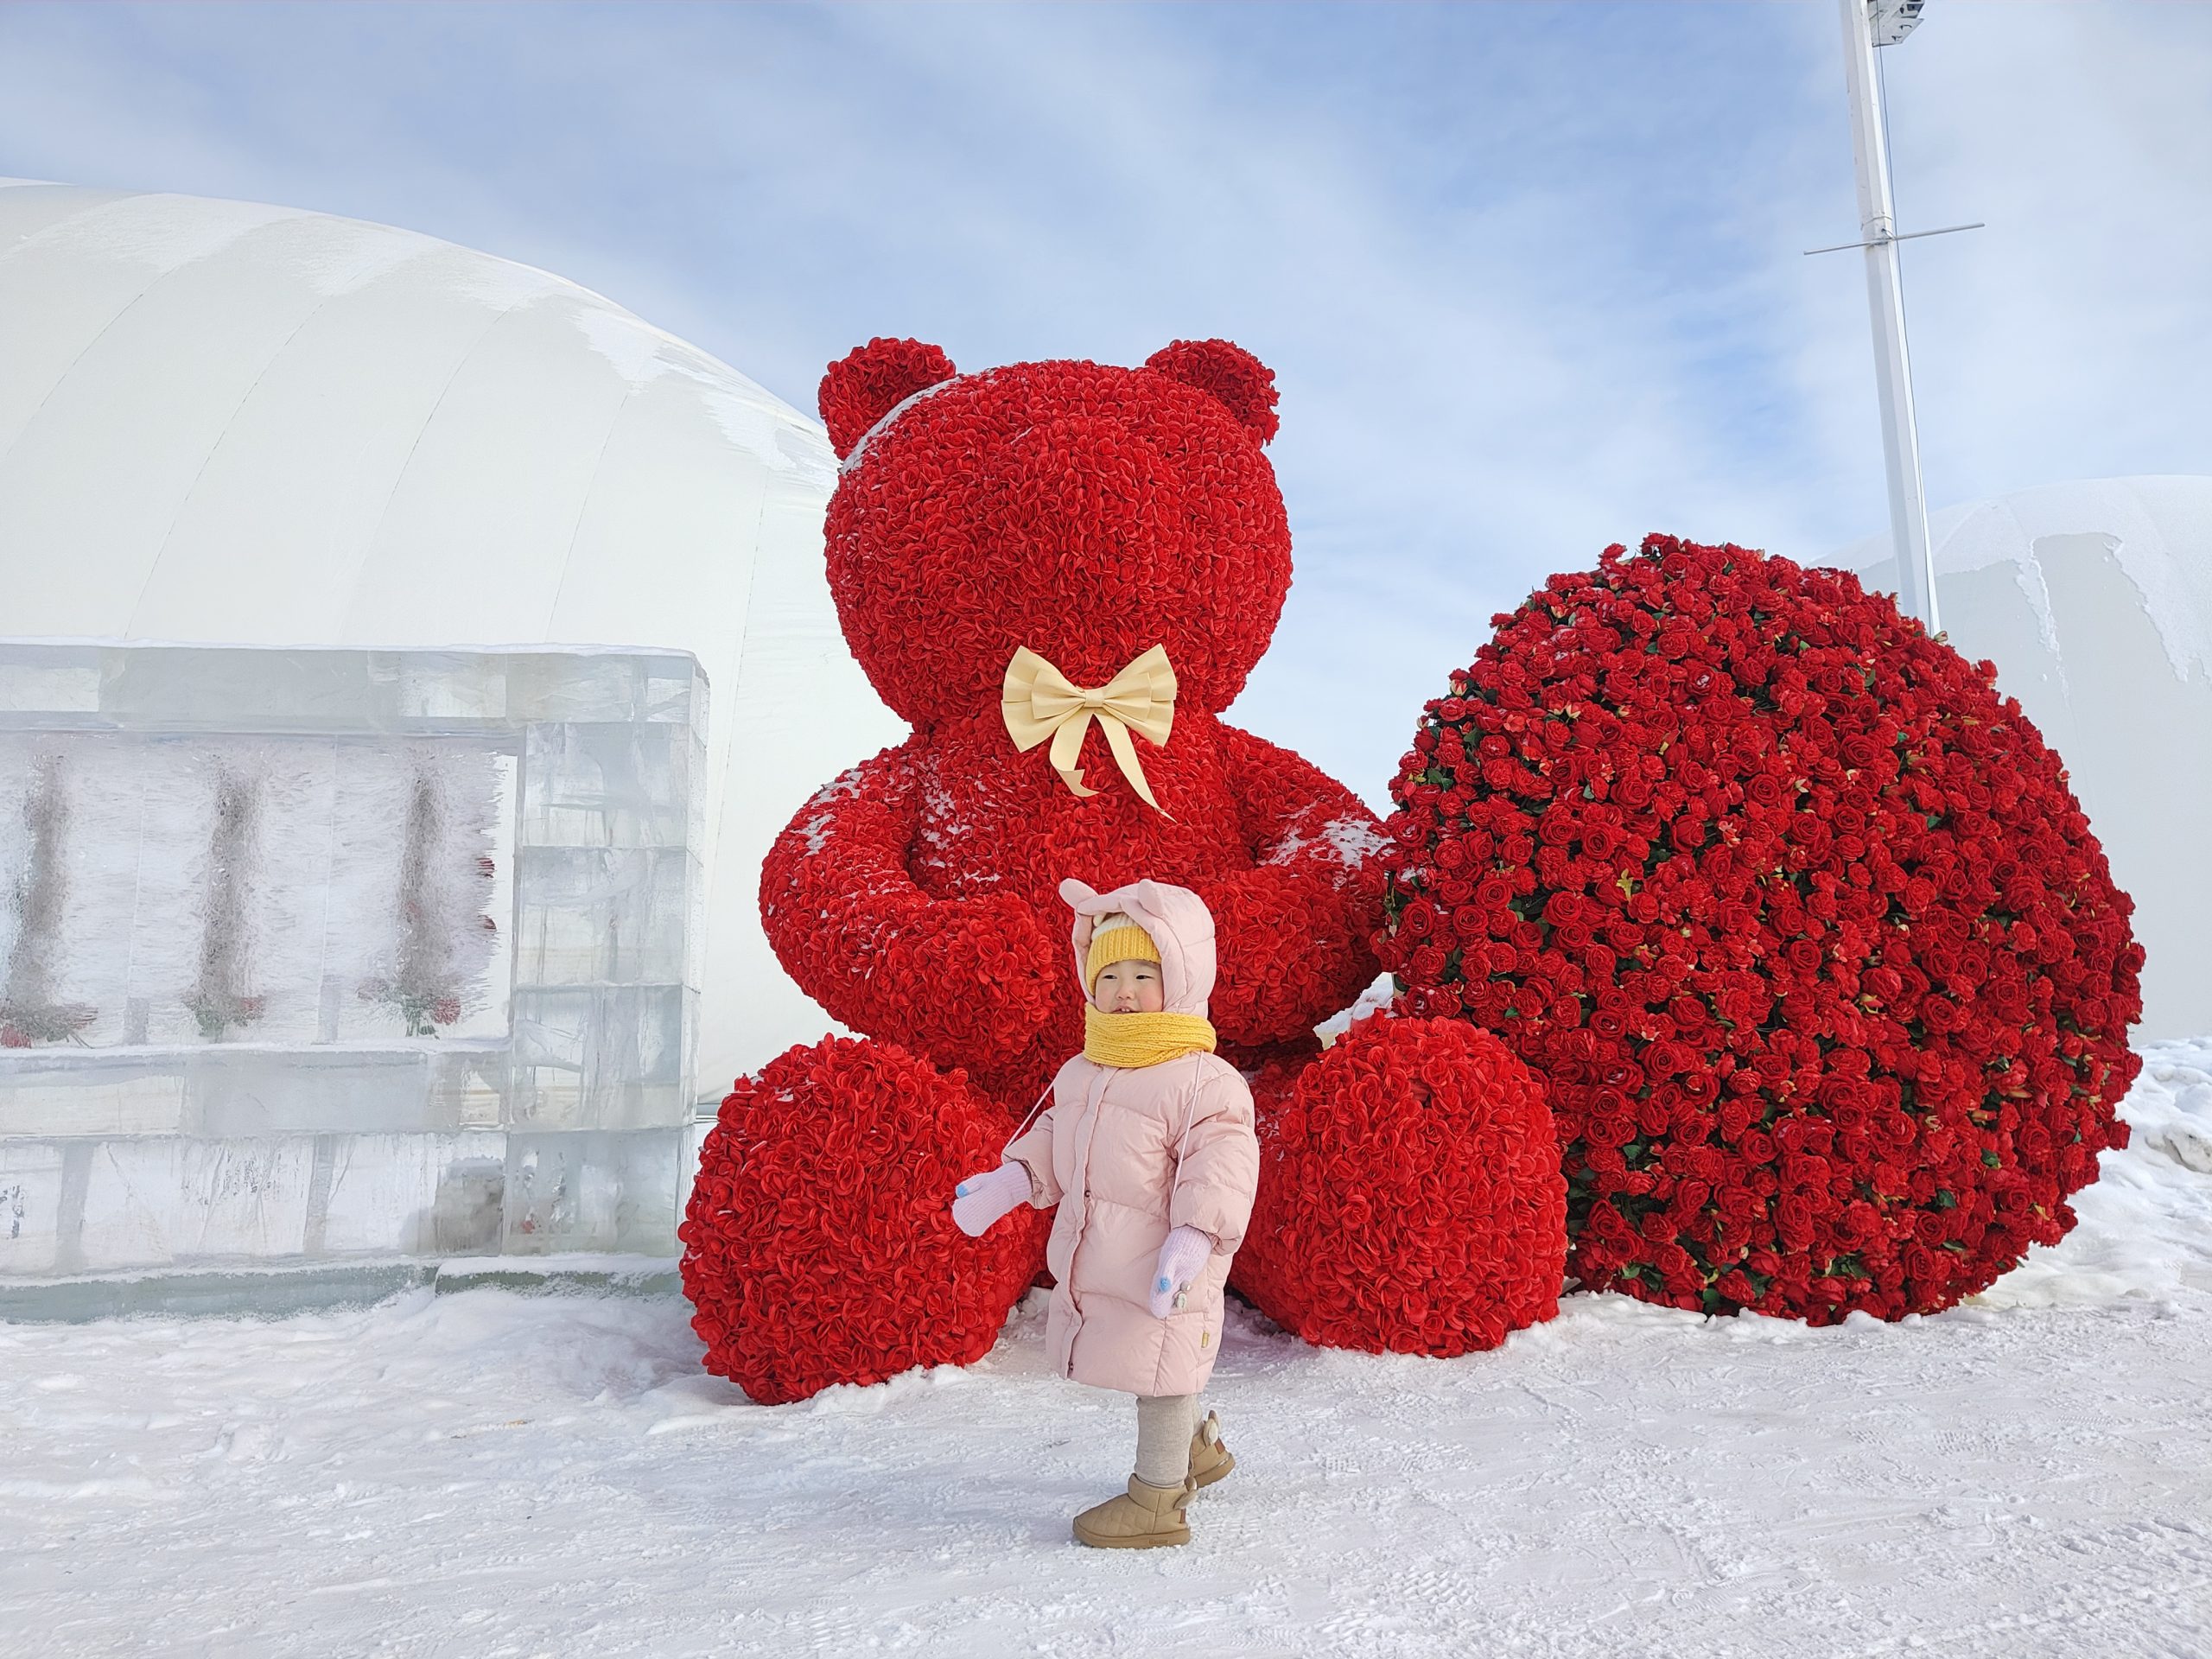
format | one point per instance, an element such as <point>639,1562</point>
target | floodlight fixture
<point>1891,21</point>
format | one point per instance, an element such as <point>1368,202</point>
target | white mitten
<point>1181,1255</point>
<point>982,1199</point>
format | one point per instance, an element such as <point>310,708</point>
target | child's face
<point>1128,987</point>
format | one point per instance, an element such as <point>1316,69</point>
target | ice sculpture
<point>321,954</point>
<point>2094,600</point>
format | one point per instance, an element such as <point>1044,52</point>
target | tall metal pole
<point>1892,374</point>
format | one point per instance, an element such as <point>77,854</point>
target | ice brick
<point>49,679</point>
<point>672,691</point>
<point>601,686</point>
<point>168,1201</point>
<point>613,915</point>
<point>31,1182</point>
<point>117,1093</point>
<point>445,690</point>
<point>216,689</point>
<point>410,928</point>
<point>610,1057</point>
<point>470,1086</point>
<point>591,1191</point>
<point>232,1094</point>
<point>411,1194</point>
<point>601,786</point>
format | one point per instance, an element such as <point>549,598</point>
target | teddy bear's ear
<point>1227,372</point>
<point>870,381</point>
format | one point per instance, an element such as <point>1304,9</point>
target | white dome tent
<point>228,422</point>
<point>2094,600</point>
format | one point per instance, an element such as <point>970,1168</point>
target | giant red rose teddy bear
<point>1060,575</point>
<point>1788,916</point>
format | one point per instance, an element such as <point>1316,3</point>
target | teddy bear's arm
<point>965,981</point>
<point>1295,933</point>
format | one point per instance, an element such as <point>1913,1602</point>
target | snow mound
<point>2146,1221</point>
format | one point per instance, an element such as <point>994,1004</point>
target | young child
<point>1149,1150</point>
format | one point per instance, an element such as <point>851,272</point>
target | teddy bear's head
<point>1086,512</point>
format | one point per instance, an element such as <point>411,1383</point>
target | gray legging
<point>1165,1422</point>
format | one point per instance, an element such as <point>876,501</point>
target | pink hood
<point>1179,923</point>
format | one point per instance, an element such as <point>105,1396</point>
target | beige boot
<point>1210,1458</point>
<point>1147,1517</point>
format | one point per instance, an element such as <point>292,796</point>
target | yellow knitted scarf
<point>1130,1040</point>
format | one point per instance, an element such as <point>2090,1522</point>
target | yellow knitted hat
<point>1124,942</point>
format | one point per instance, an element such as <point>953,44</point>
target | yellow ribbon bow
<point>1040,702</point>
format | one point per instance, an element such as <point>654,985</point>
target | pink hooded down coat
<point>1129,1154</point>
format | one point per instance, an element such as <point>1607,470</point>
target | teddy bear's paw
<point>972,982</point>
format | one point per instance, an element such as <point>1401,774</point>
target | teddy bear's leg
<point>1410,1197</point>
<point>818,1243</point>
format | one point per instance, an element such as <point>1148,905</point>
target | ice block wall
<point>313,954</point>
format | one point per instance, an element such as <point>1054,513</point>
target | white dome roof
<point>2094,600</point>
<point>223,421</point>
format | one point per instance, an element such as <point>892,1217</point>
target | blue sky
<point>1530,276</point>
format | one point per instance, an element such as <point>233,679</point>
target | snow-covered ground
<point>492,1474</point>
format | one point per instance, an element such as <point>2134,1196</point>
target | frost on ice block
<point>314,955</point>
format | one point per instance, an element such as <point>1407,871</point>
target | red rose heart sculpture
<point>1825,973</point>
